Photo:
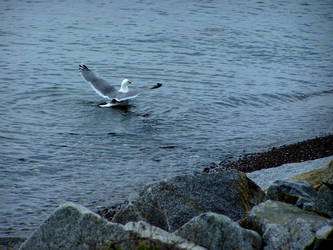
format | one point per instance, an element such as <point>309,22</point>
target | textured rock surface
<point>216,231</point>
<point>327,177</point>
<point>284,226</point>
<point>142,210</point>
<point>265,177</point>
<point>171,203</point>
<point>324,201</point>
<point>296,192</point>
<point>75,227</point>
<point>313,177</point>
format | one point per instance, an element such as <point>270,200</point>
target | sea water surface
<point>239,77</point>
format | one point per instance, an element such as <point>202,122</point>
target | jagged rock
<point>284,226</point>
<point>296,192</point>
<point>141,210</point>
<point>324,201</point>
<point>216,231</point>
<point>313,177</point>
<point>317,177</point>
<point>171,203</point>
<point>75,227</point>
<point>327,177</point>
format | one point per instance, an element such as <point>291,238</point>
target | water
<point>239,77</point>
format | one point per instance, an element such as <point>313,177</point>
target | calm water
<point>239,77</point>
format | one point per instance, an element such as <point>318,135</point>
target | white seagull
<point>104,89</point>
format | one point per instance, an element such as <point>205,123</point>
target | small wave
<point>270,99</point>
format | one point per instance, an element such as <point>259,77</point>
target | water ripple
<point>237,77</point>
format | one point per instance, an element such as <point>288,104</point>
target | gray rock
<point>296,192</point>
<point>327,177</point>
<point>324,201</point>
<point>284,226</point>
<point>171,203</point>
<point>142,210</point>
<point>216,231</point>
<point>75,227</point>
<point>265,177</point>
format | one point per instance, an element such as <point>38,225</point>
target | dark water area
<point>239,77</point>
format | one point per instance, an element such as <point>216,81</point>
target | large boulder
<point>323,204</point>
<point>318,177</point>
<point>313,177</point>
<point>296,192</point>
<point>284,226</point>
<point>327,177</point>
<point>171,203</point>
<point>75,227</point>
<point>216,231</point>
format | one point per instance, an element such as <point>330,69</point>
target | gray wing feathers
<point>101,86</point>
<point>126,96</point>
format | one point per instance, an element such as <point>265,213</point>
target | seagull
<point>106,90</point>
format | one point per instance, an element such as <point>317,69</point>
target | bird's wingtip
<point>83,67</point>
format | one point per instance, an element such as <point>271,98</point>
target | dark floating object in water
<point>157,85</point>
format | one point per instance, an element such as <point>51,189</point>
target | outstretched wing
<point>127,96</point>
<point>101,87</point>
<point>133,93</point>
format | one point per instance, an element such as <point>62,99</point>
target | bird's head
<point>125,82</point>
<point>124,85</point>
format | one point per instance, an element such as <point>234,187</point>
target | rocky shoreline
<point>311,149</point>
<point>223,210</point>
<point>218,208</point>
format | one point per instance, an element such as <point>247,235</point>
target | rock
<point>216,231</point>
<point>142,210</point>
<point>298,192</point>
<point>313,177</point>
<point>284,226</point>
<point>324,201</point>
<point>171,203</point>
<point>327,177</point>
<point>75,227</point>
<point>265,177</point>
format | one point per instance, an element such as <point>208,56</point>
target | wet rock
<point>171,203</point>
<point>324,201</point>
<point>327,177</point>
<point>74,227</point>
<point>284,226</point>
<point>216,231</point>
<point>296,192</point>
